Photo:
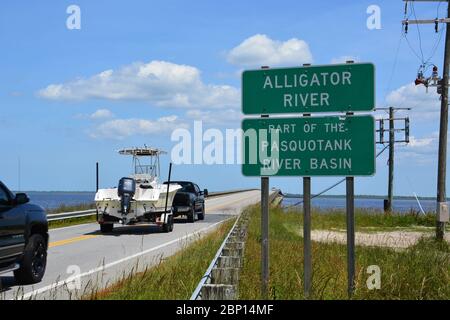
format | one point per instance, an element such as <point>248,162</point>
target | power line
<point>436,45</point>
<point>394,66</point>
<point>421,56</point>
<point>412,49</point>
<point>418,32</point>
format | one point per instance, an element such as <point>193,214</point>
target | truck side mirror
<point>205,192</point>
<point>21,198</point>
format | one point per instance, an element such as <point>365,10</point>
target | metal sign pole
<point>307,257</point>
<point>307,247</point>
<point>265,230</point>
<point>265,236</point>
<point>350,234</point>
<point>350,207</point>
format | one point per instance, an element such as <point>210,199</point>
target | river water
<point>53,200</point>
<point>399,205</point>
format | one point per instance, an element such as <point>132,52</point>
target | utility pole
<point>392,141</point>
<point>442,212</point>
<point>443,127</point>
<point>391,160</point>
<point>19,175</point>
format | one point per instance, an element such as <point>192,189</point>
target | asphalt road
<point>81,259</point>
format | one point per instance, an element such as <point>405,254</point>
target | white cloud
<point>422,142</point>
<point>422,150</point>
<point>344,59</point>
<point>425,105</point>
<point>162,83</point>
<point>260,50</point>
<point>425,110</point>
<point>102,114</point>
<point>123,128</point>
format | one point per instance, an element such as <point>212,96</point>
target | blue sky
<point>59,118</point>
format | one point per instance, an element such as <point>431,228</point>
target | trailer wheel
<point>106,227</point>
<point>168,227</point>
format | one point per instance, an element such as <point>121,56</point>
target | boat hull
<point>145,203</point>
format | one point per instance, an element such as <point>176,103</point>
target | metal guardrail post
<point>214,263</point>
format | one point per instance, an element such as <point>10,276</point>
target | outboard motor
<point>126,190</point>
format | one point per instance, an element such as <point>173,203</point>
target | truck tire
<point>168,227</point>
<point>106,227</point>
<point>201,216</point>
<point>34,261</point>
<point>191,215</point>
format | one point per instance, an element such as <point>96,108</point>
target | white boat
<point>140,197</point>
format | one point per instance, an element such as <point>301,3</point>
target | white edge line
<point>111,264</point>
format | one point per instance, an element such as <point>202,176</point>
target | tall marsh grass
<point>71,221</point>
<point>419,272</point>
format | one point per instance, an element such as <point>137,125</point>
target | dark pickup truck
<point>189,201</point>
<point>23,237</point>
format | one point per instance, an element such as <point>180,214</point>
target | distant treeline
<point>362,196</point>
<point>59,192</point>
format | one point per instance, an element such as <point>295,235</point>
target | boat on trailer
<point>140,197</point>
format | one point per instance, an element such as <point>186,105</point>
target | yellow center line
<point>70,240</point>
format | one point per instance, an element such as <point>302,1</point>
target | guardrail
<point>91,212</point>
<point>231,271</point>
<point>207,276</point>
<point>71,215</point>
<point>221,193</point>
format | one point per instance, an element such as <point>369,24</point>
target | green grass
<point>419,272</point>
<point>173,278</point>
<point>71,221</point>
<point>66,208</point>
<point>370,220</point>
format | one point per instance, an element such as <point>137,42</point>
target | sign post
<point>265,236</point>
<point>350,199</point>
<point>307,247</point>
<point>265,230</point>
<point>342,145</point>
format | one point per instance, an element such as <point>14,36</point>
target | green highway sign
<point>329,88</point>
<point>309,146</point>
